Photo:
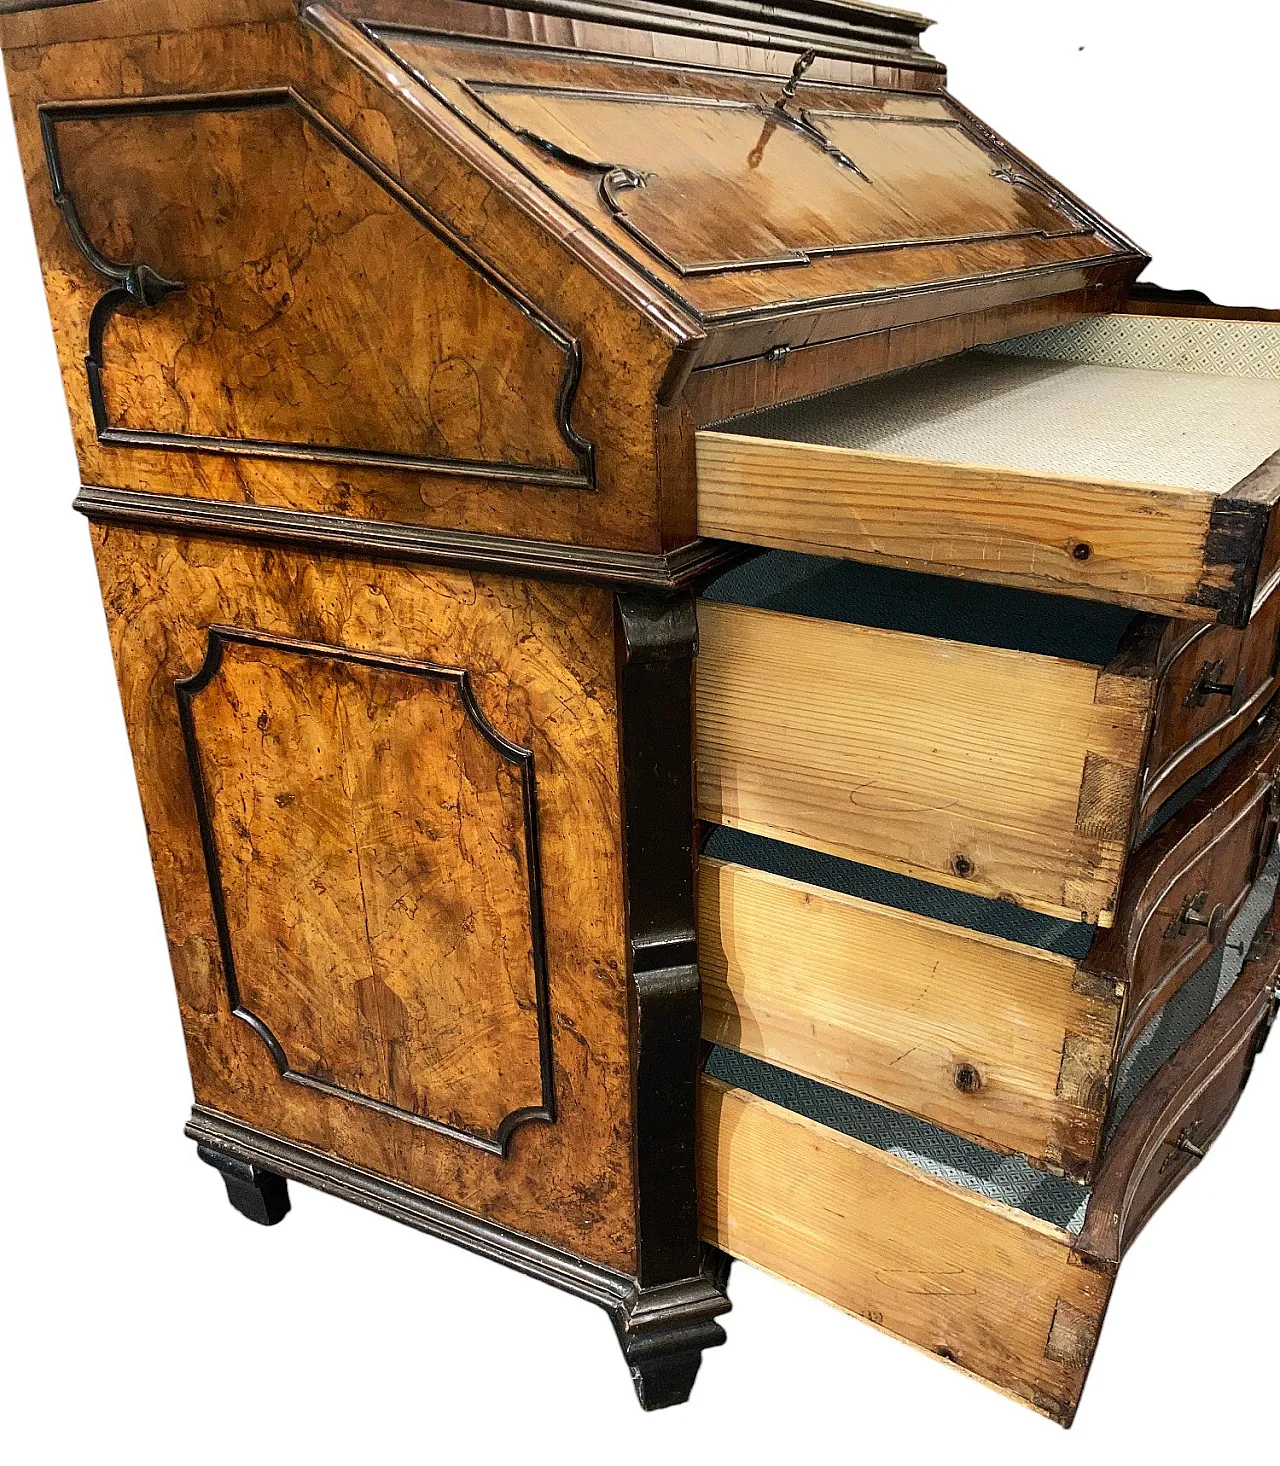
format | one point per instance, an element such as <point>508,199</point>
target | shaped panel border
<point>138,284</point>
<point>187,688</point>
<point>616,179</point>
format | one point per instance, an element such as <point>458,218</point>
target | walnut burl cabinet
<point>473,401</point>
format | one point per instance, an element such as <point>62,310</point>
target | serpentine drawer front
<point>830,970</point>
<point>996,742</point>
<point>949,1247</point>
<point>1125,459</point>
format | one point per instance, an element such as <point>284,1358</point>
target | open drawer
<point>1000,742</point>
<point>913,1231</point>
<point>1129,458</point>
<point>1002,1026</point>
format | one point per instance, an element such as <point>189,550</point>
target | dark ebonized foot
<point>260,1195</point>
<point>664,1330</point>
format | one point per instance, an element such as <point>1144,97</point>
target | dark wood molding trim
<point>257,1194</point>
<point>188,688</point>
<point>660,1329</point>
<point>1149,299</point>
<point>1188,840</point>
<point>624,569</point>
<point>1241,715</point>
<point>1237,536</point>
<point>16,7</point>
<point>657,642</point>
<point>141,285</point>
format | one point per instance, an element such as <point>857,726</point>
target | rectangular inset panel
<point>713,184</point>
<point>372,848</point>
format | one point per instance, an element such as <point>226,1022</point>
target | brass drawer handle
<point>1209,684</point>
<point>1194,914</point>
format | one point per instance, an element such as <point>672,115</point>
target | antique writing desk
<point>473,402</point>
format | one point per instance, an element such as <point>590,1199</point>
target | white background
<point>144,1320</point>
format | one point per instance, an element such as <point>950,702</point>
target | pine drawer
<point>1012,1293</point>
<point>1004,743</point>
<point>1126,458</point>
<point>998,1025</point>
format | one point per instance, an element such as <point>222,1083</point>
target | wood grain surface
<point>627,349</point>
<point>317,311</point>
<point>1186,884</point>
<point>1185,1107</point>
<point>990,1039</point>
<point>1213,682</point>
<point>999,772</point>
<point>978,1284</point>
<point>374,871</point>
<point>1144,547</point>
<point>541,659</point>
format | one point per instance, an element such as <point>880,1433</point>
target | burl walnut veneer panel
<point>343,758</point>
<point>372,848</point>
<point>368,330</point>
<point>318,313</point>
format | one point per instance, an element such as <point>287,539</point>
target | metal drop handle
<point>1194,914</point>
<point>1209,684</point>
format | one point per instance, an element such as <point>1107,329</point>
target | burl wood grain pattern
<point>985,1287</point>
<point>1001,1043</point>
<point>318,310</point>
<point>370,857</point>
<point>385,302</point>
<point>999,772</point>
<point>541,661</point>
<point>408,356</point>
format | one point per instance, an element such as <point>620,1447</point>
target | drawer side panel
<point>994,1041</point>
<point>978,768</point>
<point>975,1283</point>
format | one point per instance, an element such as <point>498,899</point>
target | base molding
<point>662,1330</point>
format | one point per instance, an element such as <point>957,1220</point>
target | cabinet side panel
<point>450,733</point>
<point>439,362</point>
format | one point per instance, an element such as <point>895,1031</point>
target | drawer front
<point>976,1283</point>
<point>1020,466</point>
<point>1011,1299</point>
<point>1213,682</point>
<point>999,772</point>
<point>1183,1109</point>
<point>1185,886</point>
<point>1004,1044</point>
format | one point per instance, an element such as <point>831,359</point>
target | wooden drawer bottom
<point>1008,1284</point>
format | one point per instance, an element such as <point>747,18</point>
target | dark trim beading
<point>657,640</point>
<point>662,1331</point>
<point>410,542</point>
<point>187,688</point>
<point>141,285</point>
